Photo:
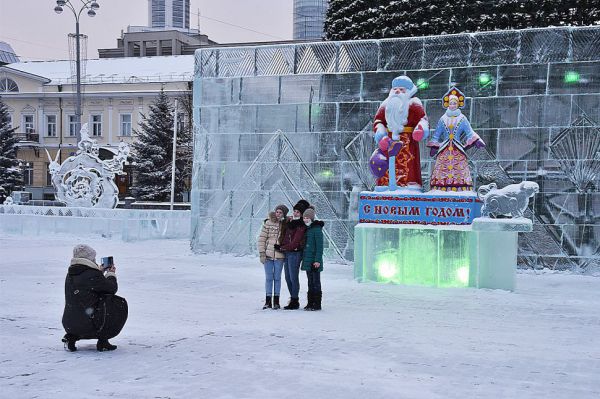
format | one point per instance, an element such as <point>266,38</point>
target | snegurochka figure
<point>400,123</point>
<point>451,171</point>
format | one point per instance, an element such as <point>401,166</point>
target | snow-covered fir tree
<point>375,19</point>
<point>10,173</point>
<point>153,153</point>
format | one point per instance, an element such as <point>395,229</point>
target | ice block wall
<point>533,95</point>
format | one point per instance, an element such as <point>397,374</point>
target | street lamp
<point>91,6</point>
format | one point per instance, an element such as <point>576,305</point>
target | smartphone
<point>107,262</point>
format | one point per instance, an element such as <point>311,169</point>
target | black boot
<point>317,302</point>
<point>276,302</point>
<point>309,300</point>
<point>293,305</point>
<point>268,304</point>
<point>69,341</point>
<point>103,345</point>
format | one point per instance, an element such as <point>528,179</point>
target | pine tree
<point>374,19</point>
<point>10,173</point>
<point>153,153</point>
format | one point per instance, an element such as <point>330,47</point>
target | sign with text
<point>434,209</point>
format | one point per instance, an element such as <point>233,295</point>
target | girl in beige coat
<point>272,259</point>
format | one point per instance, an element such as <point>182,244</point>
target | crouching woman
<point>312,259</point>
<point>92,310</point>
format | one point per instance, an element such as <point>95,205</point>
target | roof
<point>174,68</point>
<point>7,54</point>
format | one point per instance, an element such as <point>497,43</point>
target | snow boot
<point>276,302</point>
<point>317,301</point>
<point>309,299</point>
<point>268,304</point>
<point>293,305</point>
<point>103,346</point>
<point>69,341</point>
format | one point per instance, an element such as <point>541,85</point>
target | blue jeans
<point>292,271</point>
<point>314,280</point>
<point>273,276</point>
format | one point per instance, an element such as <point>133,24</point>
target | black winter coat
<point>92,310</point>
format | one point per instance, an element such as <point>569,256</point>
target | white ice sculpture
<point>511,200</point>
<point>84,180</point>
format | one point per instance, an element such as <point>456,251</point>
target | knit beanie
<point>301,206</point>
<point>283,209</point>
<point>309,214</point>
<point>84,251</point>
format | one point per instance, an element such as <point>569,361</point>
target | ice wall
<point>533,95</point>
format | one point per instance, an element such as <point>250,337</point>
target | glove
<point>277,247</point>
<point>418,133</point>
<point>479,144</point>
<point>384,143</point>
<point>263,258</point>
<point>433,151</point>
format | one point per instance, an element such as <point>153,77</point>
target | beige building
<point>41,100</point>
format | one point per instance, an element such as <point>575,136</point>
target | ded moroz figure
<point>400,123</point>
<point>451,171</point>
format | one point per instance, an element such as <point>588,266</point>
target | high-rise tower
<point>169,14</point>
<point>309,16</point>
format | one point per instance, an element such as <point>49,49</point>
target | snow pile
<point>196,330</point>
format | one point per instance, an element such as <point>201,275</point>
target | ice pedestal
<point>482,255</point>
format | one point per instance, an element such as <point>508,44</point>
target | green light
<point>327,173</point>
<point>485,79</point>
<point>422,84</point>
<point>462,274</point>
<point>386,266</point>
<point>571,77</point>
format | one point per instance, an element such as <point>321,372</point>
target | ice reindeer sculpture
<point>435,238</point>
<point>84,180</point>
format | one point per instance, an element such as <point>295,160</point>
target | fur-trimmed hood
<point>315,223</point>
<point>295,223</point>
<point>79,265</point>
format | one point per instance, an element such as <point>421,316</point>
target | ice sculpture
<point>436,238</point>
<point>400,123</point>
<point>84,180</point>
<point>511,200</point>
<point>451,171</point>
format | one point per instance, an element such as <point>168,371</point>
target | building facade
<point>116,92</point>
<point>169,14</point>
<point>309,17</point>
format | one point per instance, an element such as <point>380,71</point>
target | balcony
<point>31,137</point>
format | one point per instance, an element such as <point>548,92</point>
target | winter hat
<point>283,209</point>
<point>301,206</point>
<point>84,251</point>
<point>406,82</point>
<point>309,213</point>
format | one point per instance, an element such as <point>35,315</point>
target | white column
<point>39,124</point>
<point>110,122</point>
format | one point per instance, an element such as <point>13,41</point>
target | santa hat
<point>407,83</point>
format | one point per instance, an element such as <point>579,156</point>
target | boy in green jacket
<point>312,259</point>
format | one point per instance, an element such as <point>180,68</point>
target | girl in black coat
<point>92,310</point>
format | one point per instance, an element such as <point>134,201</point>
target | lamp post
<point>91,6</point>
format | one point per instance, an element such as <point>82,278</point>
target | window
<point>8,85</point>
<point>72,122</point>
<point>27,169</point>
<point>181,122</point>
<point>28,124</point>
<point>10,121</point>
<point>51,125</point>
<point>96,125</point>
<point>125,125</point>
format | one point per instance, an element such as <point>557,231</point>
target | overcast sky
<point>36,32</point>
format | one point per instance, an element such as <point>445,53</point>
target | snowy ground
<point>196,330</point>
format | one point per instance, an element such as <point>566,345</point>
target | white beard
<point>396,111</point>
